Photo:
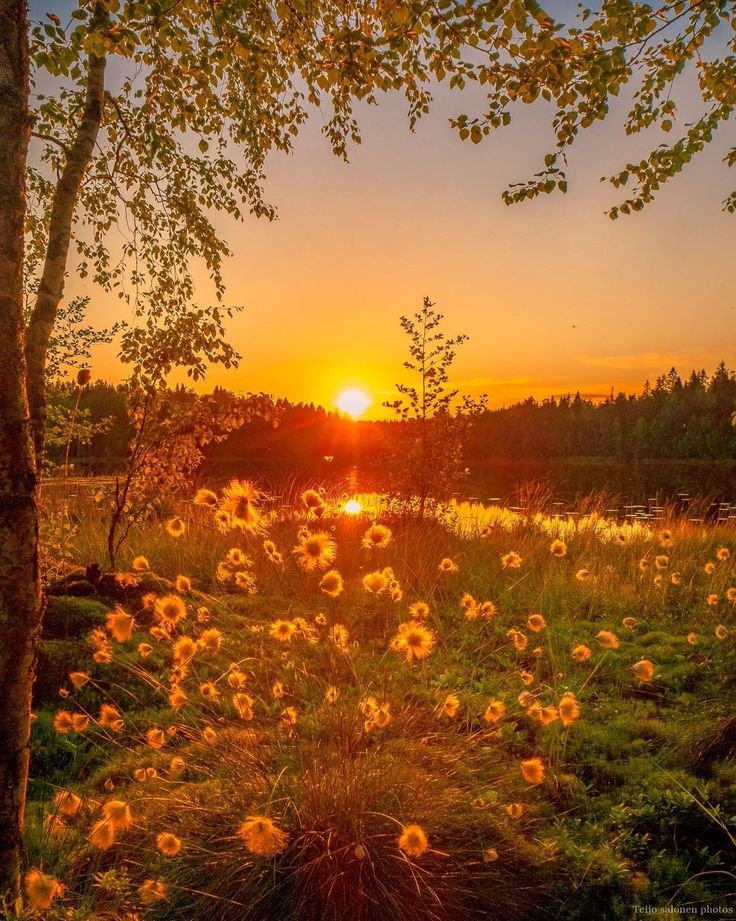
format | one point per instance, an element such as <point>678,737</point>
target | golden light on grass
<point>352,507</point>
<point>353,402</point>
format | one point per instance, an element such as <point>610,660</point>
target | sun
<point>353,402</point>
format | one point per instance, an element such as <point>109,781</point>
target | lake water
<point>647,483</point>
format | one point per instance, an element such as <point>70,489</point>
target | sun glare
<point>353,402</point>
<point>352,507</point>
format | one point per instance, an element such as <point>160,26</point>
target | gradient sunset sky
<point>554,296</point>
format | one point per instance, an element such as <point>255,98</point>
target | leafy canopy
<point>199,92</point>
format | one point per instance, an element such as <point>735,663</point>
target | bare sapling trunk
<point>51,286</point>
<point>20,594</point>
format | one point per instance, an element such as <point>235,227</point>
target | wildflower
<point>712,599</point>
<point>450,706</point>
<point>661,561</point>
<point>235,678</point>
<point>331,694</point>
<point>527,678</point>
<point>175,527</point>
<point>277,690</point>
<point>420,609</point>
<point>377,715</point>
<point>210,640</point>
<point>558,548</point>
<point>289,716</point>
<point>469,606</point>
<point>240,499</point>
<point>607,639</point>
<point>447,565</point>
<point>643,670</point>
<point>375,582</point>
<point>168,844</point>
<point>144,650</point>
<point>184,650</point>
<point>79,679</point>
<point>676,578</point>
<point>532,770</point>
<point>490,855</point>
<point>102,834</point>
<point>721,632</point>
<point>548,715</point>
<point>246,581</point>
<point>156,738</point>
<point>102,646</point>
<point>209,735</point>
<point>517,637</point>
<point>331,583</point>
<point>183,584</point>
<point>120,624</point>
<point>692,638</point>
<point>511,560</point>
<point>376,537</point>
<point>140,564</point>
<point>413,841</point>
<point>63,721</point>
<point>153,890</point>
<point>536,623</point>
<point>723,553</point>
<point>177,766</point>
<point>665,538</point>
<point>110,717</point>
<point>643,564</point>
<point>413,639</point>
<point>41,889</point>
<point>205,497</point>
<point>568,708</point>
<point>495,710</point>
<point>80,722</point>
<point>630,622</point>
<point>486,610</point>
<point>244,705</point>
<point>514,810</point>
<point>731,595</point>
<point>170,610</point>
<point>709,568</point>
<point>282,630</point>
<point>339,635</point>
<point>580,652</point>
<point>313,502</point>
<point>177,697</point>
<point>117,812</point>
<point>582,575</point>
<point>262,837</point>
<point>67,803</point>
<point>315,551</point>
<point>222,520</point>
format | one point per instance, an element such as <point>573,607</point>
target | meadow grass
<point>588,788</point>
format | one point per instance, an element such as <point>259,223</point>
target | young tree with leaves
<point>431,449</point>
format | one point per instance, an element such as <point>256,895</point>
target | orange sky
<point>553,295</point>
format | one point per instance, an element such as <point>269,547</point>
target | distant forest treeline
<point>672,419</point>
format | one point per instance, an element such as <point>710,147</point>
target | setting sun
<point>353,402</point>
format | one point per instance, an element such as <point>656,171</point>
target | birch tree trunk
<point>23,407</point>
<point>20,595</point>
